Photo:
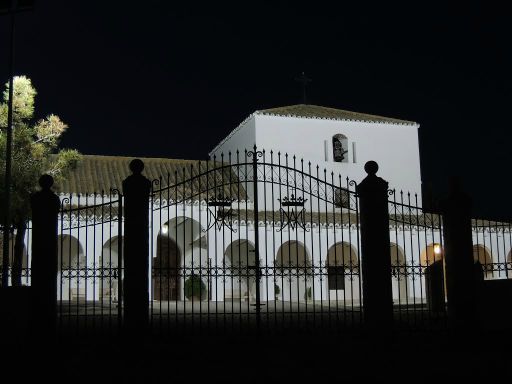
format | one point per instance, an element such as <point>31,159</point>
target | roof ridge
<point>90,156</point>
<point>313,111</point>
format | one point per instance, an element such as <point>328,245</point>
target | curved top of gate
<point>227,179</point>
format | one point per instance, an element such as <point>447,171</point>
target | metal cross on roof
<point>304,80</point>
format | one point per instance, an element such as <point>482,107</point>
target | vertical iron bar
<point>265,209</point>
<point>120,261</point>
<point>273,261</point>
<point>60,262</point>
<point>321,264</point>
<point>506,256</point>
<point>310,193</point>
<point>280,262</point>
<point>256,235</point>
<point>326,210</point>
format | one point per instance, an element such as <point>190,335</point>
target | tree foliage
<point>34,149</point>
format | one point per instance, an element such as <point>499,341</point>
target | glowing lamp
<point>165,229</point>
<point>437,249</point>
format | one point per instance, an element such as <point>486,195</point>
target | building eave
<point>404,123</point>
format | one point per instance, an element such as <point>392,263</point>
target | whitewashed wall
<point>316,241</point>
<point>394,146</point>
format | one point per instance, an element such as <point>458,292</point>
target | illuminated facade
<point>318,243</point>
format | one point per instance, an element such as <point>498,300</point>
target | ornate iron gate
<point>254,238</point>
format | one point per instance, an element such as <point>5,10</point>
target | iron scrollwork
<point>220,212</point>
<point>292,212</point>
<point>255,154</point>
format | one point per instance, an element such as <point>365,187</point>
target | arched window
<point>340,148</point>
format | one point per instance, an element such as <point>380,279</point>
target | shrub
<point>194,287</point>
<point>277,290</point>
<point>308,294</point>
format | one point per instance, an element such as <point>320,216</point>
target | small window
<point>340,148</point>
<point>336,278</point>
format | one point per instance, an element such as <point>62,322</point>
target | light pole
<point>10,7</point>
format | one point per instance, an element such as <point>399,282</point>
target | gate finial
<point>371,167</point>
<point>46,182</point>
<point>136,166</point>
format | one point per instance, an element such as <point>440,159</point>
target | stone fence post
<point>45,205</point>
<point>375,250</point>
<point>136,191</point>
<point>460,269</point>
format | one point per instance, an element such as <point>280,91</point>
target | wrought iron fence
<point>492,248</point>
<point>417,263</point>
<point>89,267</point>
<point>255,238</point>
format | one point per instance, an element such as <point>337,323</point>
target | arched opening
<point>240,260</point>
<point>109,264</point>
<point>399,281</point>
<point>70,260</point>
<point>482,255</point>
<point>342,266</point>
<point>432,260</point>
<point>432,253</point>
<point>293,270</point>
<point>341,261</point>
<point>70,253</point>
<point>181,258</point>
<point>166,270</point>
<point>340,148</point>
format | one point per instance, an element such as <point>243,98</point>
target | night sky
<point>157,78</point>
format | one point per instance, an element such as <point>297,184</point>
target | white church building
<point>309,131</point>
<point>297,204</point>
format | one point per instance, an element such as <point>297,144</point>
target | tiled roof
<point>318,112</point>
<point>97,174</point>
